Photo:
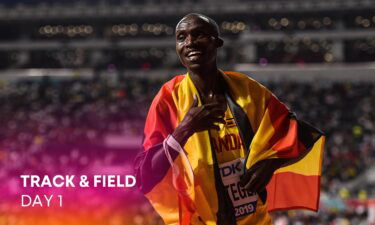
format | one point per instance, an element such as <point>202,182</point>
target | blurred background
<point>77,78</point>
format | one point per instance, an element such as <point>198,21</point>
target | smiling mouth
<point>194,53</point>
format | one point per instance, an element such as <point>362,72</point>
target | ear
<point>219,42</point>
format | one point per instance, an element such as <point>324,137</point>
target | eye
<point>202,34</point>
<point>180,37</point>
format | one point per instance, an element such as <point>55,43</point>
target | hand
<point>258,176</point>
<point>200,118</point>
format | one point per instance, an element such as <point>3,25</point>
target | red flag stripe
<point>162,117</point>
<point>305,191</point>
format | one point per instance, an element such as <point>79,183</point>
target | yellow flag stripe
<point>311,164</point>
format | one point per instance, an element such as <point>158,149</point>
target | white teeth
<point>194,53</point>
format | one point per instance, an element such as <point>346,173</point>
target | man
<point>213,141</point>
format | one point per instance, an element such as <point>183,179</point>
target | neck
<point>206,80</point>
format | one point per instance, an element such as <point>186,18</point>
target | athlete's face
<point>196,43</point>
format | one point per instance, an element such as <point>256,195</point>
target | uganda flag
<point>184,188</point>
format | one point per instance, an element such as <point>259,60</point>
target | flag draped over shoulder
<point>184,191</point>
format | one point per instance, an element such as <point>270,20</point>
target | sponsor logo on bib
<point>244,202</point>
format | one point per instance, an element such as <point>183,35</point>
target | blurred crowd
<point>147,41</point>
<point>54,126</point>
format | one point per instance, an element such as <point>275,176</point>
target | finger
<point>258,182</point>
<point>252,184</point>
<point>209,124</point>
<point>217,112</point>
<point>208,127</point>
<point>251,180</point>
<point>213,120</point>
<point>212,105</point>
<point>245,178</point>
<point>209,114</point>
<point>218,105</point>
<point>218,120</point>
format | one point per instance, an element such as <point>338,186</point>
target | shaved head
<point>214,28</point>
<point>197,41</point>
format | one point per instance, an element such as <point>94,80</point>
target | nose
<point>190,40</point>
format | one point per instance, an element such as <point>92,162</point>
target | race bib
<point>244,202</point>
